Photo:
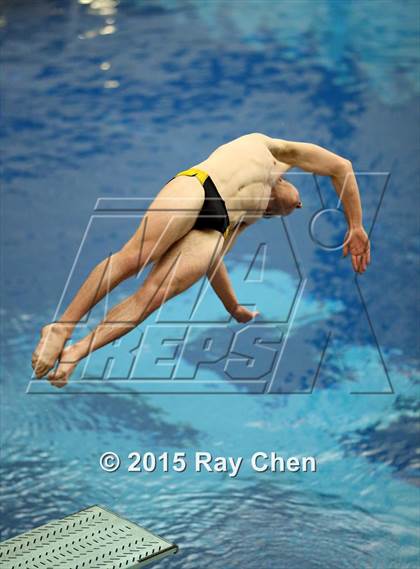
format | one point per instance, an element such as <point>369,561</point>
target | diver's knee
<point>131,258</point>
<point>138,255</point>
<point>159,293</point>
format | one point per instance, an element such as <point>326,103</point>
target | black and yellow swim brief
<point>213,214</point>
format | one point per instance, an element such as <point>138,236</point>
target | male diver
<point>190,225</point>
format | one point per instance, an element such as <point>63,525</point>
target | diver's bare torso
<point>244,171</point>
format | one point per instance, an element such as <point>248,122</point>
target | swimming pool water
<point>109,99</point>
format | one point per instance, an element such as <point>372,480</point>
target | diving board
<point>94,538</point>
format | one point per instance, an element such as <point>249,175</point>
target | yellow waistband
<point>199,174</point>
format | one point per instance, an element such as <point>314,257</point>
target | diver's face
<point>284,199</point>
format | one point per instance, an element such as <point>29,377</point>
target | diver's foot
<point>66,366</point>
<point>50,346</point>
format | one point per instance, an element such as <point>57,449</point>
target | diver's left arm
<point>318,160</point>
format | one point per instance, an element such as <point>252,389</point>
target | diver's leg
<point>170,217</point>
<point>180,267</point>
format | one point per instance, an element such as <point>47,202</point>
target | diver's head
<point>284,199</point>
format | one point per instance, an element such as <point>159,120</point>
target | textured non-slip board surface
<point>94,538</point>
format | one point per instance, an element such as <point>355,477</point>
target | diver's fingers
<point>368,256</point>
<point>354,262</point>
<point>358,263</point>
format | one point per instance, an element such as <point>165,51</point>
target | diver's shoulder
<point>259,136</point>
<point>244,137</point>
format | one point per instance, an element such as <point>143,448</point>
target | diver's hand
<point>242,314</point>
<point>356,242</point>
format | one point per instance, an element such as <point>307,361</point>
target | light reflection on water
<point>99,96</point>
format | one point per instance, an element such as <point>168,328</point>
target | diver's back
<point>239,163</point>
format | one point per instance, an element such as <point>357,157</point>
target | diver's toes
<point>35,356</point>
<point>54,375</point>
<point>57,379</point>
<point>40,371</point>
<point>41,368</point>
<point>57,375</point>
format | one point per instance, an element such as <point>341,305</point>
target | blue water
<point>107,99</point>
